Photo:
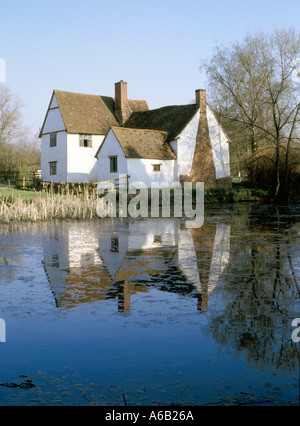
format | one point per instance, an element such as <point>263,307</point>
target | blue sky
<point>155,45</point>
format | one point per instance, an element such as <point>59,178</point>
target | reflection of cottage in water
<point>121,258</point>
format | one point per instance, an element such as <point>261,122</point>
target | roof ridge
<point>75,93</point>
<point>139,129</point>
<point>171,119</point>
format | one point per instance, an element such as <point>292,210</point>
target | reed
<point>49,206</point>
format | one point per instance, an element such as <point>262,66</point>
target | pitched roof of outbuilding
<point>143,143</point>
<point>170,119</point>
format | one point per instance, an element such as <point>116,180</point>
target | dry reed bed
<point>48,207</point>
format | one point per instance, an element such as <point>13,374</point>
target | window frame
<point>156,168</point>
<point>53,168</point>
<point>114,244</point>
<point>85,141</point>
<point>53,140</point>
<point>113,164</point>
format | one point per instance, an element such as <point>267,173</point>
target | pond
<point>148,312</point>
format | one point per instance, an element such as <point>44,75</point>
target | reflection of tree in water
<point>261,292</point>
<point>12,245</point>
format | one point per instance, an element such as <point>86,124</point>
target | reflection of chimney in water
<point>123,296</point>
<point>202,302</point>
<point>204,239</point>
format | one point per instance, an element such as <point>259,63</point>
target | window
<point>156,167</point>
<point>113,164</point>
<point>87,259</point>
<point>85,141</point>
<point>114,245</point>
<point>55,261</point>
<point>53,168</point>
<point>52,140</point>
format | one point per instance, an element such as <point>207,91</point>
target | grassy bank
<point>33,206</point>
<point>29,206</point>
<point>236,194</point>
<point>14,193</point>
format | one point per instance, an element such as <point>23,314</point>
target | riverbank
<point>35,206</point>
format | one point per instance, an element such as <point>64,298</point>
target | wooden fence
<point>33,180</point>
<point>114,184</point>
<point>81,188</point>
<point>29,179</point>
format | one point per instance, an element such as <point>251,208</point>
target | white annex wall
<point>110,147</point>
<point>141,171</point>
<point>81,163</point>
<point>184,146</point>
<point>54,121</point>
<point>54,103</point>
<point>220,146</point>
<point>58,154</point>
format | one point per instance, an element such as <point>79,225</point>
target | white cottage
<point>98,138</point>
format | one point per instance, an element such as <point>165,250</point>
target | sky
<point>156,46</point>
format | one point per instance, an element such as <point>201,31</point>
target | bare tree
<point>16,147</point>
<point>256,95</point>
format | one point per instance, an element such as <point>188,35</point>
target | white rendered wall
<point>54,103</point>
<point>81,163</point>
<point>220,146</point>
<point>184,146</point>
<point>54,121</point>
<point>141,170</point>
<point>110,147</point>
<point>57,153</point>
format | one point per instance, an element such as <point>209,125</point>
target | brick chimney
<point>122,109</point>
<point>203,168</point>
<point>201,97</point>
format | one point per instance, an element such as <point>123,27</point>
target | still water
<point>149,312</point>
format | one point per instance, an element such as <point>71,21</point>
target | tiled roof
<point>146,133</point>
<point>90,114</point>
<point>134,105</point>
<point>141,143</point>
<point>170,119</point>
<point>85,114</point>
